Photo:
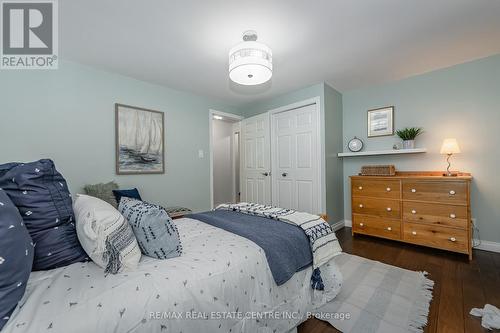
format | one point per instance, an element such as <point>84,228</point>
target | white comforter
<point>221,283</point>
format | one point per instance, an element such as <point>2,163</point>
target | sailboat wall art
<point>140,138</point>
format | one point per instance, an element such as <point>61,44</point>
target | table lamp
<point>449,147</point>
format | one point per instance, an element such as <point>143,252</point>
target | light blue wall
<point>461,102</point>
<point>68,115</point>
<point>331,105</point>
<point>333,144</point>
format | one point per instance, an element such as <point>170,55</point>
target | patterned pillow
<point>16,257</point>
<point>42,196</point>
<point>105,235</point>
<point>103,192</point>
<point>155,231</point>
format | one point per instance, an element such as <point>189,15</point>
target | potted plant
<point>408,136</point>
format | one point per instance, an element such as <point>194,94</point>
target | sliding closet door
<point>255,160</point>
<point>295,159</point>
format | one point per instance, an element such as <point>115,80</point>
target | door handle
<point>284,174</point>
<point>265,174</point>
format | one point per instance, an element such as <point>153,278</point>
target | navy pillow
<point>16,257</point>
<point>132,193</point>
<point>43,199</point>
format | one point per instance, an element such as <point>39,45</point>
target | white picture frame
<point>381,122</point>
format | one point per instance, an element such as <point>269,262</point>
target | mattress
<point>221,283</point>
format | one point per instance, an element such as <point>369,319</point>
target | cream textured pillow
<point>105,235</point>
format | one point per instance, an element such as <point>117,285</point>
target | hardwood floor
<point>460,284</point>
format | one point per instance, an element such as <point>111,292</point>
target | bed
<point>221,283</point>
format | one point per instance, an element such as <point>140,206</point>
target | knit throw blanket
<point>322,239</point>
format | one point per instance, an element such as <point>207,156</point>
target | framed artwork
<point>381,122</point>
<point>140,137</point>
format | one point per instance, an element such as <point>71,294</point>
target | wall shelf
<point>384,152</point>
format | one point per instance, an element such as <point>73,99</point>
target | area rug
<point>378,298</point>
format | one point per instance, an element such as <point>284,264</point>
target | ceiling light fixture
<point>250,62</point>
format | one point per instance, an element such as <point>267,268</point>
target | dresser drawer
<point>376,226</point>
<point>436,236</point>
<point>439,214</point>
<point>377,207</point>
<point>435,191</point>
<point>388,189</point>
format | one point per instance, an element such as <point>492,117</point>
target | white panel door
<point>295,159</point>
<point>255,157</point>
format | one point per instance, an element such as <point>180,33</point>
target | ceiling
<point>184,44</point>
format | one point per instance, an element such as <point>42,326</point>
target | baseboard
<point>487,246</point>
<point>337,226</point>
<point>348,223</point>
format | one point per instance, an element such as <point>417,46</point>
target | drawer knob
<point>414,211</point>
<point>453,239</point>
<point>452,216</point>
<point>360,187</point>
<point>413,233</point>
<point>360,205</point>
<point>361,224</point>
<point>452,192</point>
<point>388,189</point>
<point>413,190</point>
<point>389,209</point>
<point>389,228</point>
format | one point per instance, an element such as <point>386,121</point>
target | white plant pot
<point>408,144</point>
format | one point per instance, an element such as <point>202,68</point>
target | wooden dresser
<point>423,208</point>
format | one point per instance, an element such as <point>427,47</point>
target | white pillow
<point>105,235</point>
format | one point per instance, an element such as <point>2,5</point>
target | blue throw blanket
<point>286,246</point>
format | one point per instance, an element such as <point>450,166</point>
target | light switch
<point>201,153</point>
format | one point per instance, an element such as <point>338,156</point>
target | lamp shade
<point>250,62</point>
<point>450,146</point>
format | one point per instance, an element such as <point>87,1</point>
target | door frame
<point>321,147</point>
<point>211,113</point>
<point>236,130</point>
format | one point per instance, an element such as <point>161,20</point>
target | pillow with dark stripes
<point>154,230</point>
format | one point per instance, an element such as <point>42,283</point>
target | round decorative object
<point>355,145</point>
<point>250,62</point>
